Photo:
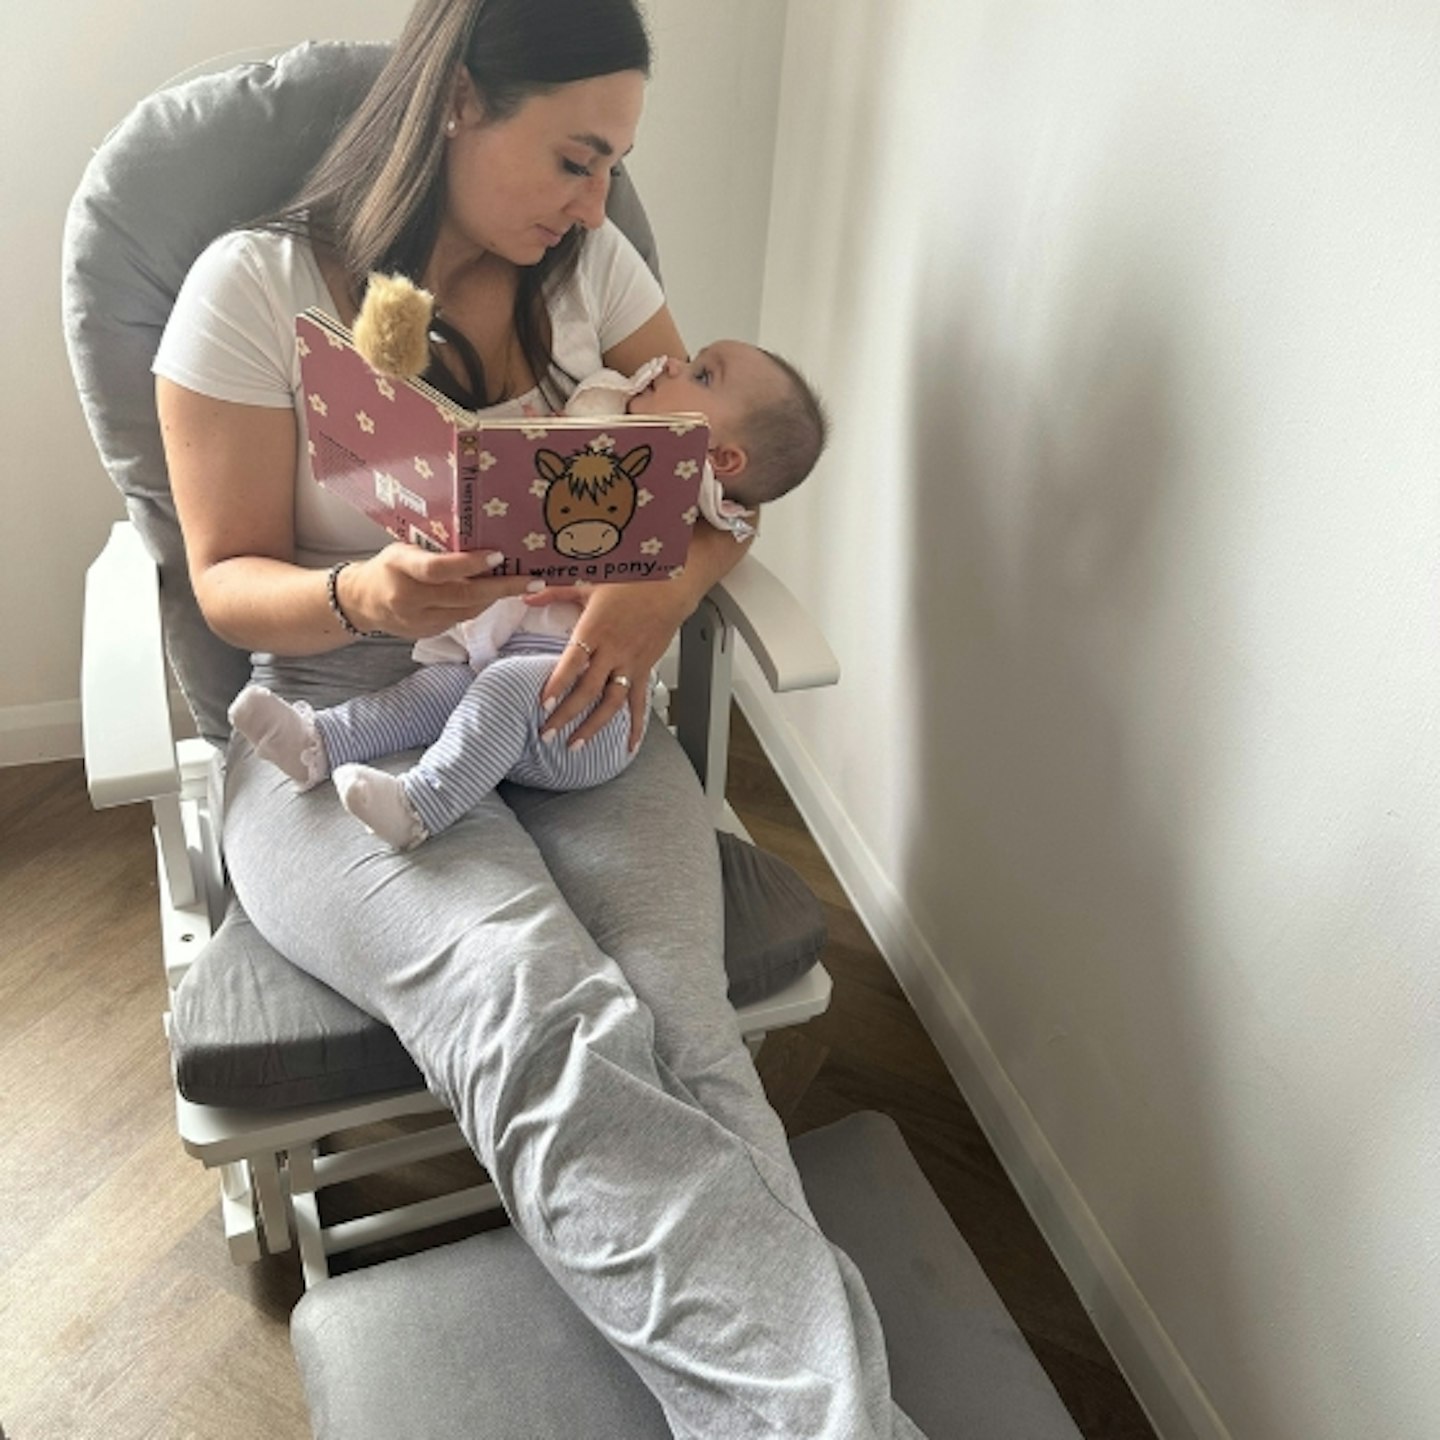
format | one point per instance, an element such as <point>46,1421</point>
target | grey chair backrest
<point>189,163</point>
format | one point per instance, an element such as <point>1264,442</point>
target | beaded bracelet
<point>332,594</point>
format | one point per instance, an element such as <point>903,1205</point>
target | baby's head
<point>767,426</point>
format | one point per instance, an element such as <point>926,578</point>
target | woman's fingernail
<point>494,558</point>
<point>576,744</point>
<point>549,707</point>
<point>535,586</point>
<point>550,736</point>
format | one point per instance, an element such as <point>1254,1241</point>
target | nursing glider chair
<point>270,1065</point>
<point>276,1075</point>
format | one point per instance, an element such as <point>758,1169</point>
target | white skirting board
<point>1157,1373</point>
<point>34,734</point>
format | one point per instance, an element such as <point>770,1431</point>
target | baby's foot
<point>282,733</point>
<point>378,801</point>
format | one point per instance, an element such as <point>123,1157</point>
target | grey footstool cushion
<point>475,1341</point>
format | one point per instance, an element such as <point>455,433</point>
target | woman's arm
<point>232,472</point>
<point>629,627</point>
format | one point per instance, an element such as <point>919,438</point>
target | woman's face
<point>516,186</point>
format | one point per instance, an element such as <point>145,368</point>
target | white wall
<point>76,66</point>
<point>1130,545</point>
<point>704,157</point>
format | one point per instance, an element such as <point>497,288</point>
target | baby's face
<point>725,382</point>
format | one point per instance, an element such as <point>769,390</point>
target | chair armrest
<point>124,680</point>
<point>787,644</point>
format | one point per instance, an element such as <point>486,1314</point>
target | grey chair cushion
<point>187,164</point>
<point>250,1029</point>
<point>475,1340</point>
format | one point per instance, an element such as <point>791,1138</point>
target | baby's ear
<point>728,461</point>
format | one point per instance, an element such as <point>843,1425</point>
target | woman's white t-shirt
<point>231,336</point>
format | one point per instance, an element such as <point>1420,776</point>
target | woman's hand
<point>414,593</point>
<point>624,630</point>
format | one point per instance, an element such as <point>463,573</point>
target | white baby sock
<point>378,801</point>
<point>282,733</point>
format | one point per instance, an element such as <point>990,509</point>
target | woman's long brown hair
<point>376,199</point>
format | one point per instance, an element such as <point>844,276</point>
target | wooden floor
<point>120,1315</point>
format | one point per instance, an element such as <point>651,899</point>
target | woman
<point>554,961</point>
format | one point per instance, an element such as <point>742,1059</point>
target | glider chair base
<point>274,1165</point>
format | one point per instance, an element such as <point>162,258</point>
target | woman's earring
<point>450,126</point>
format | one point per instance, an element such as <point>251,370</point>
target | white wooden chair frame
<point>273,1164</point>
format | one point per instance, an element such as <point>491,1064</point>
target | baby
<point>475,701</point>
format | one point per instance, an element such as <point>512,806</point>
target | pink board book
<point>565,500</point>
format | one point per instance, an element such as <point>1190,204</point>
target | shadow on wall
<point>1050,475</point>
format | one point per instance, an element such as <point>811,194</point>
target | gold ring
<point>621,680</point>
<point>576,640</point>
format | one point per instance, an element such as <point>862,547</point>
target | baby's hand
<point>577,594</point>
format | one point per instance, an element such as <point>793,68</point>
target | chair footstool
<point>475,1340</point>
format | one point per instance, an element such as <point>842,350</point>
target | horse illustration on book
<point>592,497</point>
